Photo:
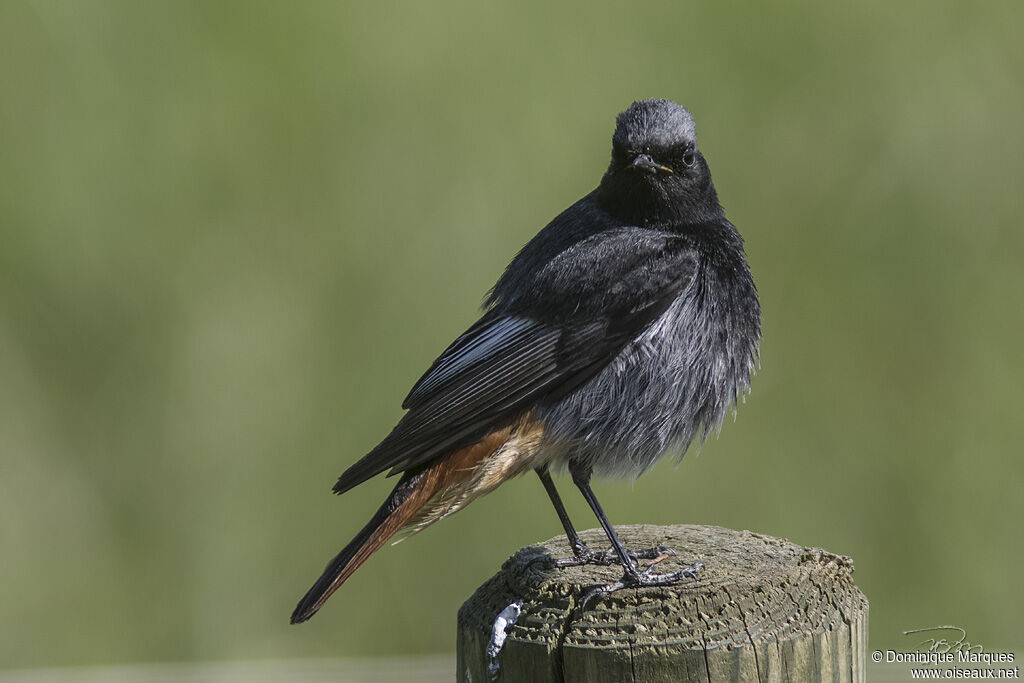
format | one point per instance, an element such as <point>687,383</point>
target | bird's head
<point>657,173</point>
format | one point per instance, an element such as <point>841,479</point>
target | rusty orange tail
<point>413,491</point>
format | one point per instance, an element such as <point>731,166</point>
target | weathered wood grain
<point>763,609</point>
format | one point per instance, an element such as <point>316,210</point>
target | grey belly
<point>659,393</point>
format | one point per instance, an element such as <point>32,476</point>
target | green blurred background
<point>233,234</point>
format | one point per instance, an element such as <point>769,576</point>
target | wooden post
<point>763,609</point>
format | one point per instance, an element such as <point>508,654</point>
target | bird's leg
<point>632,576</point>
<point>581,477</point>
<point>581,553</point>
<point>579,548</point>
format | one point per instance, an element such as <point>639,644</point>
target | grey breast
<point>674,382</point>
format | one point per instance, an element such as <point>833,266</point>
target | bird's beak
<point>645,163</point>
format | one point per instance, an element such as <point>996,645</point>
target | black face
<point>653,159</point>
<point>656,172</point>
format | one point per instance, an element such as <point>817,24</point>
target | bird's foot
<point>584,555</point>
<point>644,578</point>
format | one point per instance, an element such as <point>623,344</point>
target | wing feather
<point>508,359</point>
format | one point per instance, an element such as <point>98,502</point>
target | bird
<point>625,329</point>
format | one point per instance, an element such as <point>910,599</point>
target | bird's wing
<point>577,323</point>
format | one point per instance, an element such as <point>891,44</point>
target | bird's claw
<point>608,557</point>
<point>644,578</point>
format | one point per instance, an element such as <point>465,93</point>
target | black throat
<point>636,198</point>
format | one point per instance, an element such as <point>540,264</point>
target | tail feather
<point>405,500</point>
<point>404,506</point>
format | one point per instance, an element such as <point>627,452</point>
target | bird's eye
<point>688,158</point>
<point>621,155</point>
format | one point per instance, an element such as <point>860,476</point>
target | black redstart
<point>624,329</point>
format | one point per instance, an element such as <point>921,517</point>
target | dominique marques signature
<point>937,643</point>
